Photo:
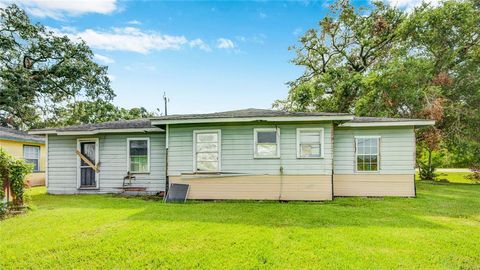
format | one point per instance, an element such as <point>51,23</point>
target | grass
<point>440,229</point>
<point>452,177</point>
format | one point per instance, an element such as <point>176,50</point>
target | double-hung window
<point>138,155</point>
<point>367,151</point>
<point>206,148</point>
<point>266,143</point>
<point>31,154</point>
<point>310,142</point>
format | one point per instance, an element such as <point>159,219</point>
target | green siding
<point>237,150</point>
<point>62,163</point>
<point>397,149</point>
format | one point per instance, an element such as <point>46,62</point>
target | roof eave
<point>389,123</point>
<point>253,119</point>
<point>98,131</point>
<point>23,140</point>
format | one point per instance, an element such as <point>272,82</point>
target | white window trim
<point>200,131</point>
<point>148,153</point>
<point>97,160</point>
<point>38,157</point>
<point>255,131</point>
<point>378,153</point>
<point>322,142</point>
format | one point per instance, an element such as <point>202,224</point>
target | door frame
<point>97,156</point>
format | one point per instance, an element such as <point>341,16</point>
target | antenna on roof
<point>166,100</point>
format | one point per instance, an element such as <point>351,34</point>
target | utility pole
<point>166,100</point>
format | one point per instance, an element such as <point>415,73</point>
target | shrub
<point>475,175</point>
<point>426,172</point>
<point>12,173</point>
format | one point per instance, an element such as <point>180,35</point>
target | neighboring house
<point>31,148</point>
<point>244,154</point>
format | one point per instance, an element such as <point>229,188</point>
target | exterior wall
<point>397,163</point>
<point>303,179</point>
<point>237,151</point>
<point>260,187</point>
<point>15,148</point>
<point>374,185</point>
<point>62,163</point>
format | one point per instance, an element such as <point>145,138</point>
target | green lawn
<point>452,177</point>
<point>440,229</point>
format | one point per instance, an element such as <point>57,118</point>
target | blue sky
<point>207,56</point>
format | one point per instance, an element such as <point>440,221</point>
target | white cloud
<point>129,39</point>
<point>410,4</point>
<point>200,44</point>
<point>132,39</point>
<point>134,22</point>
<point>298,31</point>
<point>225,43</point>
<point>104,59</point>
<point>258,39</point>
<point>57,9</point>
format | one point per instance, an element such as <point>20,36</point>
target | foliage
<point>475,176</point>
<point>41,71</point>
<point>12,174</point>
<point>386,62</point>
<point>87,232</point>
<point>339,55</point>
<point>430,140</point>
<point>18,171</point>
<point>427,171</point>
<point>3,174</point>
<point>88,112</point>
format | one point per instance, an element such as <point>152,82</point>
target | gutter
<point>253,119</point>
<point>96,131</point>
<point>389,123</point>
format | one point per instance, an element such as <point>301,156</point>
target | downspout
<point>414,163</point>
<point>280,163</point>
<point>332,141</point>
<point>167,135</point>
<point>46,160</point>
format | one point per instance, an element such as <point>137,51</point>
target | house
<point>244,154</point>
<point>31,148</point>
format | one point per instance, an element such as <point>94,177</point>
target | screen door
<point>87,174</point>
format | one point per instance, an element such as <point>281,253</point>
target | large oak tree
<point>382,61</point>
<point>40,71</point>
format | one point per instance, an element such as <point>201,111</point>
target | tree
<point>386,62</point>
<point>40,71</point>
<point>339,55</point>
<point>89,112</point>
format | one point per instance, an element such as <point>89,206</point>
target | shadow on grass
<point>434,200</point>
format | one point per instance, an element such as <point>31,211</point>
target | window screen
<point>207,151</point>
<point>309,143</point>
<point>266,143</point>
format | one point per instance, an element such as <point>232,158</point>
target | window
<point>206,150</point>
<point>138,155</point>
<point>267,143</point>
<point>31,154</point>
<point>310,142</point>
<point>367,153</point>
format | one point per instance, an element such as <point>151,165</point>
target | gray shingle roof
<point>251,112</point>
<point>17,135</point>
<point>121,124</point>
<point>246,113</point>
